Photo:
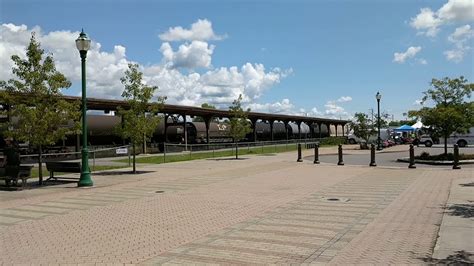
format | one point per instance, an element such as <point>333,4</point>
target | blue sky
<point>322,50</point>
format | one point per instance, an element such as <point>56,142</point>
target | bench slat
<point>68,167</point>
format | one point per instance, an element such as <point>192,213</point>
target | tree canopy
<point>363,126</point>
<point>44,118</point>
<point>208,106</point>
<point>451,112</point>
<point>239,125</point>
<point>140,120</point>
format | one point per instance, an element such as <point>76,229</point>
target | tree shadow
<point>35,184</point>
<point>227,159</point>
<point>461,210</point>
<point>458,258</point>
<point>128,172</point>
<point>467,184</point>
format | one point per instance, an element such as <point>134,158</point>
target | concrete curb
<point>406,160</point>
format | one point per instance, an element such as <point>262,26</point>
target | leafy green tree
<point>208,106</point>
<point>402,122</point>
<point>362,126</point>
<point>383,121</point>
<point>39,115</point>
<point>239,125</point>
<point>140,120</point>
<point>451,112</point>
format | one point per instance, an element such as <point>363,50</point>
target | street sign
<point>121,151</point>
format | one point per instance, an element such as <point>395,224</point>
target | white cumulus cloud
<point>422,61</point>
<point>460,38</point>
<point>457,10</point>
<point>201,30</point>
<point>333,110</point>
<point>403,56</point>
<point>344,99</point>
<point>428,22</point>
<point>193,55</point>
<point>280,107</point>
<point>105,68</point>
<point>461,34</point>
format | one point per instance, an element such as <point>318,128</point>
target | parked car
<point>426,140</point>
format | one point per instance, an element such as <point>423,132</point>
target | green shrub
<point>443,157</point>
<point>424,155</point>
<point>332,141</point>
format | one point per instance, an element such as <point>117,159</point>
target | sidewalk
<point>456,235</point>
<point>259,209</point>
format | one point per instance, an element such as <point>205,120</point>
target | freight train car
<point>102,131</point>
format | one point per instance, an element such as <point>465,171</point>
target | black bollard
<point>339,150</point>
<point>372,155</point>
<point>456,157</point>
<point>316,153</point>
<point>299,153</point>
<point>412,157</point>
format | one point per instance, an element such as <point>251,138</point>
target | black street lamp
<point>378,96</point>
<point>83,44</point>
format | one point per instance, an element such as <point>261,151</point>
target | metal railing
<point>216,149</point>
<point>76,156</point>
<point>176,149</point>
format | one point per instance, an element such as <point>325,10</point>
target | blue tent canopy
<point>405,128</point>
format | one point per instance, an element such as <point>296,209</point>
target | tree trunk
<point>445,144</point>
<point>40,164</point>
<point>134,167</point>
<point>236,151</point>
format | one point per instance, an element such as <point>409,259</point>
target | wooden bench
<point>11,174</point>
<point>63,167</point>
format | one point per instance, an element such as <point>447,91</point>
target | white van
<point>384,135</point>
<point>463,139</point>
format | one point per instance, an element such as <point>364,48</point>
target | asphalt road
<point>389,159</point>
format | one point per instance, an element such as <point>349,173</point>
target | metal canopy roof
<point>107,104</point>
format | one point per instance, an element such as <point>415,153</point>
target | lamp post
<point>378,96</point>
<point>83,44</point>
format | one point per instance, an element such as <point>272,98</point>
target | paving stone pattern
<point>260,210</point>
<point>311,229</point>
<point>406,232</point>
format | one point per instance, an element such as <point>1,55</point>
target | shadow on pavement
<point>458,258</point>
<point>462,210</point>
<point>34,185</point>
<point>226,159</point>
<point>467,184</point>
<point>128,172</point>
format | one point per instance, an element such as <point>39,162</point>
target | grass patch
<point>209,154</point>
<point>333,141</point>
<point>262,150</point>
<point>443,157</point>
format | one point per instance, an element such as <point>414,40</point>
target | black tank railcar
<point>101,130</point>
<point>218,132</point>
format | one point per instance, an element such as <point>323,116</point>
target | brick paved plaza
<point>261,209</point>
